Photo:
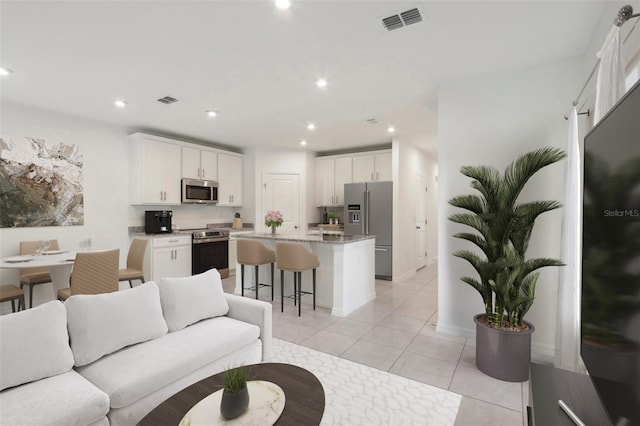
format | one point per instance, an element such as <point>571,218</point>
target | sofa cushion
<point>34,344</point>
<point>191,299</point>
<point>66,399</point>
<point>137,371</point>
<point>100,324</point>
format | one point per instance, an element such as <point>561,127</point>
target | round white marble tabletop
<point>266,403</point>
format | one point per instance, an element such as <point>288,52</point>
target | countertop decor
<point>273,219</point>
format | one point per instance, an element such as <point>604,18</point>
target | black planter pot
<point>504,355</point>
<point>234,404</point>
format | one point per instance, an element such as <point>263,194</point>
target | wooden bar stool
<point>254,253</point>
<point>13,293</point>
<point>296,258</point>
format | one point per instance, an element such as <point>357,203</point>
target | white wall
<point>408,161</point>
<point>491,120</point>
<point>107,213</point>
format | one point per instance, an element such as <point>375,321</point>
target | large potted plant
<point>506,278</point>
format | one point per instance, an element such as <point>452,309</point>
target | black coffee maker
<point>157,221</point>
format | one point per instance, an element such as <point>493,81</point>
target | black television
<point>610,307</point>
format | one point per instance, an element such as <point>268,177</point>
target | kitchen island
<point>345,279</point>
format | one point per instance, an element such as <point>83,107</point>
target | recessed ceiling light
<point>120,103</point>
<point>283,4</point>
<point>311,126</point>
<point>303,142</point>
<point>5,71</point>
<point>391,129</point>
<point>212,113</point>
<point>321,82</point>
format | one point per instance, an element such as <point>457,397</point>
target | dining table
<point>59,262</point>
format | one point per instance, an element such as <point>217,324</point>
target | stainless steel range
<point>210,249</point>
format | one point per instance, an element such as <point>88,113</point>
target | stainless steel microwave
<point>196,191</point>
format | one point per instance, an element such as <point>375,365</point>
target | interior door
<point>421,221</point>
<point>282,192</point>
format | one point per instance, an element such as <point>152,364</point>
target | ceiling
<point>257,65</point>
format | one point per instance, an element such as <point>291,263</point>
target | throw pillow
<point>191,299</point>
<point>100,324</point>
<point>34,344</point>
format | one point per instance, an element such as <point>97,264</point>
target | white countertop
<point>308,238</point>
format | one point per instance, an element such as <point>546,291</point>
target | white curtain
<point>610,82</point>
<point>568,311</point>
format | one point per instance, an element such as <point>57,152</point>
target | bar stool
<point>13,293</point>
<point>254,253</point>
<point>296,258</point>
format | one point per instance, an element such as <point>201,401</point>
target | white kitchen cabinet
<point>331,175</point>
<point>372,167</point>
<point>155,171</point>
<point>169,256</point>
<point>230,172</point>
<point>233,257</point>
<point>199,164</point>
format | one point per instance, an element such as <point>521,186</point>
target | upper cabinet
<point>158,164</point>
<point>230,172</point>
<point>331,175</point>
<point>199,163</point>
<point>155,171</point>
<point>372,167</point>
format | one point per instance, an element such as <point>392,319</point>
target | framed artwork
<point>40,183</point>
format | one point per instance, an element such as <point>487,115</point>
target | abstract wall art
<point>40,183</point>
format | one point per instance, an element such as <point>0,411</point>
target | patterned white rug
<point>356,394</point>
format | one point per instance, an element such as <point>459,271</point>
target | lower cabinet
<point>233,246</point>
<point>168,256</point>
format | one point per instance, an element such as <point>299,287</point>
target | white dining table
<point>60,264</point>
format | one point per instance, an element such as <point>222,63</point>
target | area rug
<point>356,394</point>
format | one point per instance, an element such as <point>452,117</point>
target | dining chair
<point>296,258</point>
<point>12,293</point>
<point>93,273</point>
<point>135,260</point>
<point>34,276</point>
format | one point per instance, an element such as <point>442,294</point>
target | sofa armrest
<point>254,312</point>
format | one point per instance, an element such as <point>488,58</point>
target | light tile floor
<point>396,333</point>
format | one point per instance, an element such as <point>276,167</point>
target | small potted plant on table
<point>235,397</point>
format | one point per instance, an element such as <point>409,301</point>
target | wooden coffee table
<point>304,396</point>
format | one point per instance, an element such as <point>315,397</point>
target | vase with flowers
<point>273,219</point>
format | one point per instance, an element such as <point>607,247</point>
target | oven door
<point>210,253</point>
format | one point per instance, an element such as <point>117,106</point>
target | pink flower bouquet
<point>273,218</point>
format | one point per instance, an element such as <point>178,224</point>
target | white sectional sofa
<point>112,358</point>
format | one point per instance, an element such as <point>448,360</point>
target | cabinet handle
<point>172,254</point>
<point>176,250</point>
<point>202,173</point>
<point>377,176</point>
<point>371,175</point>
<point>337,199</point>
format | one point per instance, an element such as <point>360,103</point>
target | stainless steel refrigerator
<point>369,211</point>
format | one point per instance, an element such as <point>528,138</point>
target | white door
<point>282,192</point>
<point>421,221</point>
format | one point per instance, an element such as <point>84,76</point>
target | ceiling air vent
<point>392,22</point>
<point>167,100</point>
<point>411,16</point>
<point>399,20</point>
